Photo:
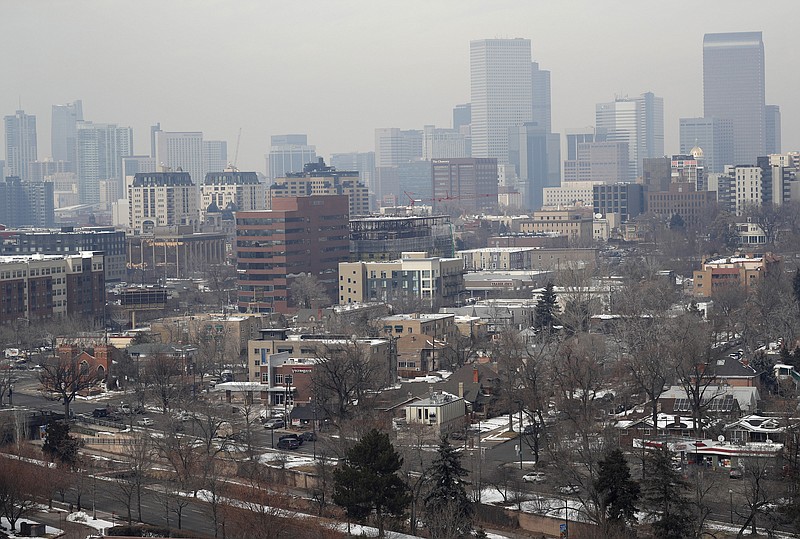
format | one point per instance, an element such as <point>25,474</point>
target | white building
<point>241,189</point>
<point>442,411</point>
<point>99,153</point>
<point>639,121</point>
<point>289,153</point>
<point>181,151</point>
<point>570,194</point>
<point>443,143</point>
<point>161,199</point>
<point>748,188</point>
<point>215,156</point>
<point>501,93</point>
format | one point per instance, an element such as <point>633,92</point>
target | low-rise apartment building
<point>744,271</point>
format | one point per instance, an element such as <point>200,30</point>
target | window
<point>278,379</point>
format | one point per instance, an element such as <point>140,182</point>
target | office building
<point>443,143</point>
<point>638,121</point>
<point>689,169</point>
<point>299,235</point>
<point>569,194</point>
<point>21,148</point>
<point>215,155</point>
<point>99,152</point>
<point>63,132</point>
<point>41,170</point>
<point>434,280</point>
<point>605,162</point>
<point>772,129</point>
<point>577,136</point>
<point>575,225</point>
<point>161,199</point>
<point>625,199</point>
<point>134,164</point>
<point>69,240</point>
<point>180,152</point>
<point>42,287</point>
<point>733,89</point>
<point>174,253</point>
<point>466,185</point>
<point>744,272</point>
<point>317,179</point>
<point>361,162</point>
<point>501,93</point>
<point>462,117</point>
<point>714,136</point>
<point>536,156</point>
<point>287,154</point>
<point>26,203</point>
<point>540,89</point>
<point>394,147</point>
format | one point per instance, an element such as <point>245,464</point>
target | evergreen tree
<point>447,506</point>
<point>546,312</point>
<point>367,481</point>
<point>59,444</point>
<point>663,498</point>
<point>617,492</point>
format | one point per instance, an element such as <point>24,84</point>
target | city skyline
<point>418,66</point>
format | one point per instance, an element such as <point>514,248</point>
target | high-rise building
<point>605,162</point>
<point>289,153</point>
<point>161,199</point>
<point>579,136</point>
<point>536,155</point>
<point>99,152</point>
<point>134,164</point>
<point>361,162</point>
<point>625,199</point>
<point>26,203</point>
<point>181,152</point>
<point>215,155</point>
<point>394,147</point>
<point>462,116</point>
<point>437,142</point>
<point>540,87</point>
<point>733,88</point>
<point>318,179</point>
<point>63,132</point>
<point>21,146</point>
<point>501,93</point>
<point>267,258</point>
<point>772,118</point>
<point>639,121</point>
<point>713,135</point>
<point>40,170</point>
<point>467,184</point>
<point>231,189</point>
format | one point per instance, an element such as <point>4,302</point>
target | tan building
<point>569,194</point>
<point>525,258</point>
<point>318,179</point>
<point>441,411</point>
<point>232,188</point>
<point>311,347</point>
<point>574,225</point>
<point>161,199</point>
<point>236,331</point>
<point>744,271</point>
<point>423,342</point>
<point>414,275</point>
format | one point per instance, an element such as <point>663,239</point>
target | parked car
<point>534,477</point>
<point>569,489</point>
<point>100,412</point>
<point>125,409</point>
<point>183,416</point>
<point>296,437</point>
<point>736,473</point>
<point>145,422</point>
<point>274,423</point>
<point>309,436</point>
<point>288,443</point>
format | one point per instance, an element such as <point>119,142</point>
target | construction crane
<point>236,153</point>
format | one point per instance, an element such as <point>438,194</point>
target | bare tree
<point>344,377</point>
<point>20,489</point>
<point>163,375</point>
<point>307,292</point>
<point>259,513</point>
<point>65,378</point>
<point>759,494</point>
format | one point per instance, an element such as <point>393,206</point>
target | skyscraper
<point>20,143</point>
<point>181,150</point>
<point>714,136</point>
<point>501,93</point>
<point>63,130</point>
<point>215,156</point>
<point>540,88</point>
<point>536,154</point>
<point>639,121</point>
<point>394,148</point>
<point>289,153</point>
<point>773,129</point>
<point>733,88</point>
<point>99,150</point>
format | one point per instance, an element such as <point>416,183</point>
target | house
<point>717,400</point>
<point>441,411</point>
<point>756,428</point>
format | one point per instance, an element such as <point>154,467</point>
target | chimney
<point>475,375</point>
<point>461,390</point>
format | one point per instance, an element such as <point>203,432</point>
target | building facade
<point>43,287</point>
<point>26,203</point>
<point>287,154</point>
<point>161,199</point>
<point>465,184</point>
<point>99,152</point>
<point>21,145</point>
<point>181,152</point>
<point>317,179</point>
<point>63,132</point>
<point>299,235</point>
<point>734,89</point>
<point>240,191</point>
<point>605,162</point>
<point>501,93</point>
<point>714,136</point>
<point>625,199</point>
<point>536,155</point>
<point>386,238</point>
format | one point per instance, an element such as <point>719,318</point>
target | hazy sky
<point>337,69</point>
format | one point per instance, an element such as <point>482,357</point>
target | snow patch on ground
<point>49,530</point>
<point>82,518</point>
